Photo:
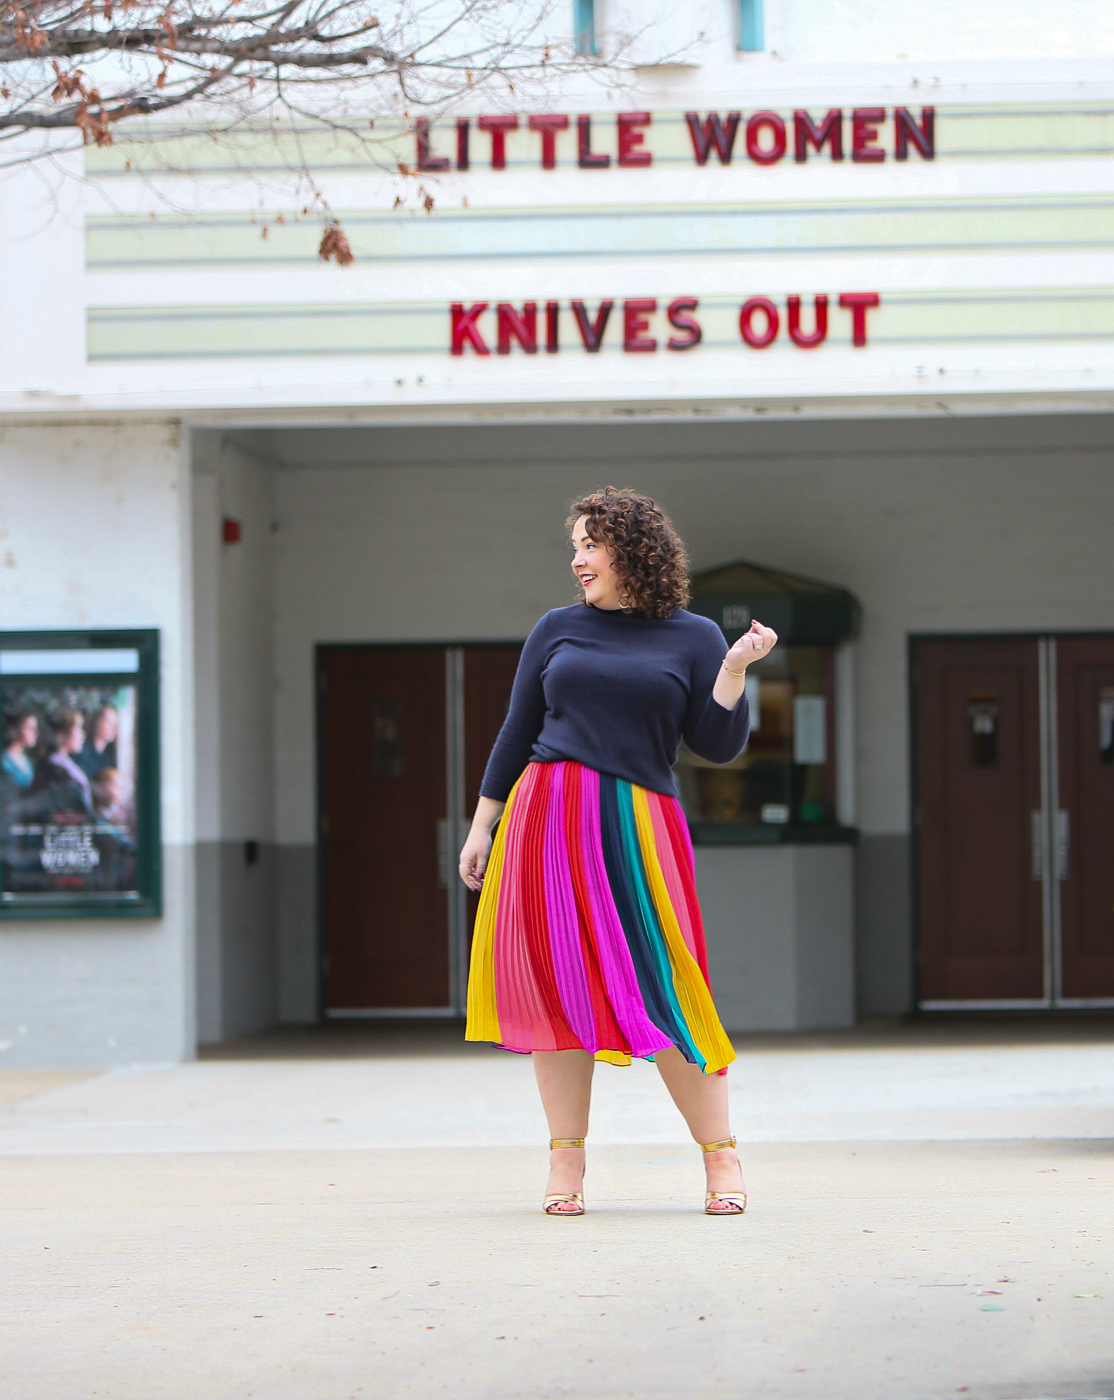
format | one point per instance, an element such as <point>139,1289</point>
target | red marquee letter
<point>678,313</point>
<point>864,133</point>
<point>551,345</point>
<point>746,327</point>
<point>426,159</point>
<point>712,133</point>
<point>906,130</point>
<point>820,334</point>
<point>806,134</point>
<point>859,303</point>
<point>775,152</point>
<point>636,324</point>
<point>591,332</point>
<point>587,158</point>
<point>521,327</point>
<point>630,138</point>
<point>462,161</point>
<point>498,126</point>
<point>465,330</point>
<point>549,127</point>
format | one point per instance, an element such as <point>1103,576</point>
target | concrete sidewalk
<point>317,1217</point>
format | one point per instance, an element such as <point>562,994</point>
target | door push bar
<point>1061,844</point>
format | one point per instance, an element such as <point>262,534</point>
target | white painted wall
<point>234,686</point>
<point>704,33</point>
<point>864,31</point>
<point>457,534</point>
<point>42,275</point>
<point>240,487</point>
<point>94,532</point>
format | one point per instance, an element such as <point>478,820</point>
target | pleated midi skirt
<point>588,933</point>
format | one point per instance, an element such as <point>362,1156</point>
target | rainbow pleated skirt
<point>588,933</point>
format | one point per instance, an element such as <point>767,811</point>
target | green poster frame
<point>145,901</point>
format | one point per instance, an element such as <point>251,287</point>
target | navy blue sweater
<point>617,692</point>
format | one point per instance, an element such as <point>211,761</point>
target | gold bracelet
<point>730,672</point>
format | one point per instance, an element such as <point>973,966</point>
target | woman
<point>59,782</point>
<point>99,752</point>
<point>588,942</point>
<point>21,734</point>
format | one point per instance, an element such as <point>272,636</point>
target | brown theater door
<point>404,734</point>
<point>1014,820</point>
<point>1085,704</point>
<point>978,779</point>
<point>383,743</point>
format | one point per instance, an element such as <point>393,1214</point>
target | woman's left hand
<point>752,645</point>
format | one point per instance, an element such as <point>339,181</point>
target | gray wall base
<point>296,883</point>
<point>884,926</point>
<point>779,926</point>
<point>237,961</point>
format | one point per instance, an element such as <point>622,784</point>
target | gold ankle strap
<point>565,1142</point>
<point>718,1146</point>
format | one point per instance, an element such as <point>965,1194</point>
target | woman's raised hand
<point>752,645</point>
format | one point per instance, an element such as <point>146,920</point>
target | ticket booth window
<point>786,776</point>
<point>783,787</point>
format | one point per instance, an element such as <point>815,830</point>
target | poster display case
<point>79,781</point>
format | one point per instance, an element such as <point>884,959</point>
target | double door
<point>405,732</point>
<point>1014,821</point>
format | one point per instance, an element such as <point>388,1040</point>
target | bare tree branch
<point>86,66</point>
<point>144,57</point>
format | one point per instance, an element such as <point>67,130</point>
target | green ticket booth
<point>773,831</point>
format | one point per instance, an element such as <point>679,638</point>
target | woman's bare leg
<point>702,1099</point>
<point>565,1084</point>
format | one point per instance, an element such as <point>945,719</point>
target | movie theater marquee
<point>862,135</point>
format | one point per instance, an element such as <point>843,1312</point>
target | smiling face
<point>594,567</point>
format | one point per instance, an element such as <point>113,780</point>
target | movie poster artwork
<point>68,822</point>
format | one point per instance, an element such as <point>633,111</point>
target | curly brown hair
<point>649,556</point>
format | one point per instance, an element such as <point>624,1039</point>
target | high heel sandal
<point>735,1198</point>
<point>575,1198</point>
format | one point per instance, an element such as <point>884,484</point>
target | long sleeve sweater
<point>617,692</point>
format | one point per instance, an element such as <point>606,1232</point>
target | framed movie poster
<point>79,779</point>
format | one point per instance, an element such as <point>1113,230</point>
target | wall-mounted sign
<point>79,783</point>
<point>867,135</point>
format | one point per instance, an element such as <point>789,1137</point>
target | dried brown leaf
<point>334,246</point>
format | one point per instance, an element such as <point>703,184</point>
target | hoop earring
<point>626,603</point>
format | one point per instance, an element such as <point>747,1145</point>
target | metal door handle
<point>1036,837</point>
<point>1063,845</point>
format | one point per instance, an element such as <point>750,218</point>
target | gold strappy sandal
<point>735,1198</point>
<point>575,1198</point>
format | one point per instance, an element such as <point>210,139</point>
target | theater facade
<point>273,529</point>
